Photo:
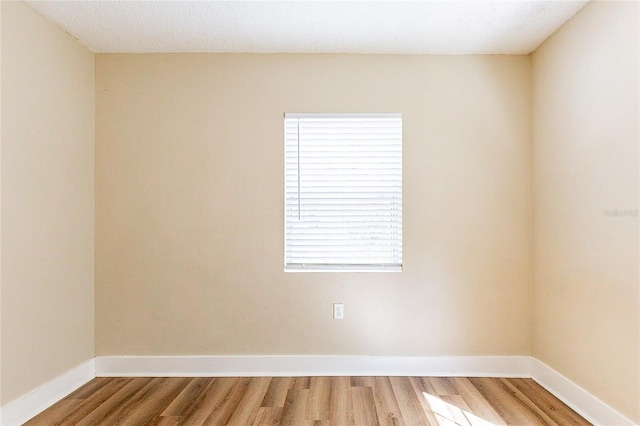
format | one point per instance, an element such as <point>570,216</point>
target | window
<point>343,192</point>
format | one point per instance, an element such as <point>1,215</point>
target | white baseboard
<point>31,404</point>
<point>581,401</point>
<point>312,365</point>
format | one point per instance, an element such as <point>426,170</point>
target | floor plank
<point>386,402</point>
<point>341,401</point>
<point>212,398</point>
<point>319,397</point>
<point>510,409</point>
<point>364,406</point>
<point>276,392</point>
<point>247,409</point>
<point>313,401</point>
<point>115,403</point>
<point>188,397</point>
<point>411,405</point>
<point>268,416</point>
<point>552,406</point>
<point>231,399</point>
<point>295,406</point>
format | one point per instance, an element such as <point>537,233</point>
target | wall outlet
<point>338,311</point>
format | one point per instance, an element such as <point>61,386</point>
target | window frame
<point>397,237</point>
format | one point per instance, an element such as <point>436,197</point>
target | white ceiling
<point>418,27</point>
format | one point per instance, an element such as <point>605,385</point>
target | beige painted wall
<point>189,206</point>
<point>585,162</point>
<point>48,100</point>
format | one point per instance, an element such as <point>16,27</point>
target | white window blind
<point>343,192</point>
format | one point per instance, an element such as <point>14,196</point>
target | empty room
<point>320,213</point>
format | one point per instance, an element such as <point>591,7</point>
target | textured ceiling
<point>420,27</point>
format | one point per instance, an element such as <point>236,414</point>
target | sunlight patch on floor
<point>450,415</point>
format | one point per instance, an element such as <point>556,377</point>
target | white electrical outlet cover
<point>338,311</point>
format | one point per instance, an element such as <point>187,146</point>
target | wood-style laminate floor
<point>337,401</point>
